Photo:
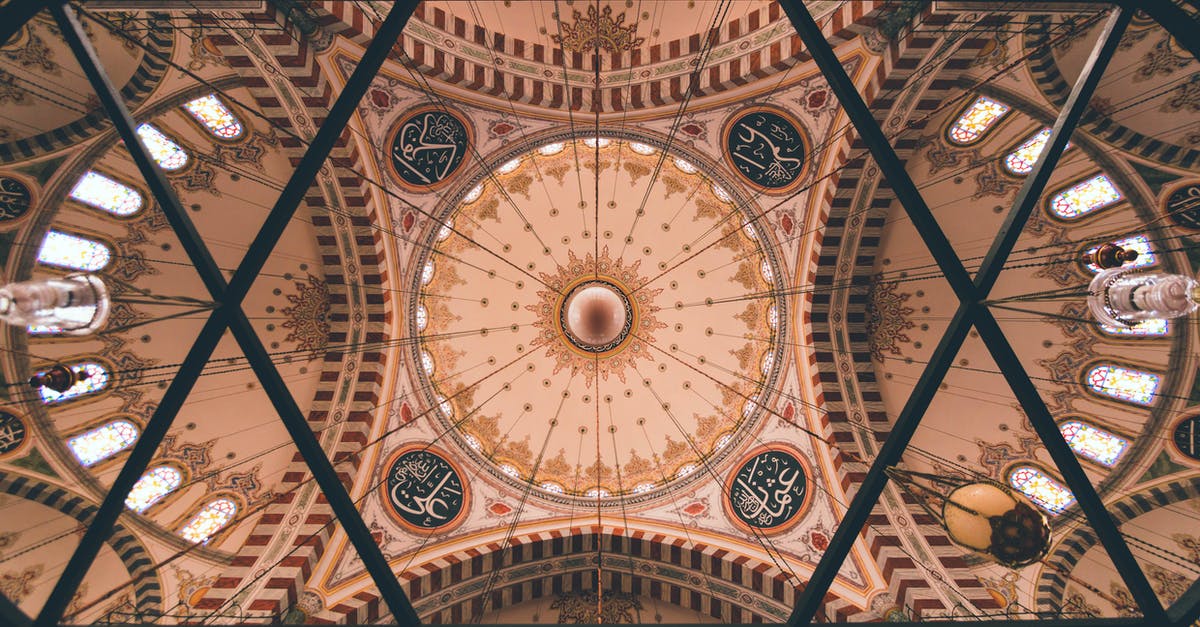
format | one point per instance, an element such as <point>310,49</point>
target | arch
<point>147,587</point>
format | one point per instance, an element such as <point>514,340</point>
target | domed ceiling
<point>601,311</point>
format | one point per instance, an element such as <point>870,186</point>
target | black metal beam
<point>10,614</point>
<point>14,15</point>
<point>1179,23</point>
<point>1185,611</point>
<point>970,293</point>
<point>230,314</point>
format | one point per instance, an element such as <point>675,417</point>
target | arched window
<point>169,155</point>
<point>215,116</point>
<point>1094,443</point>
<point>1139,243</point>
<point>1021,160</point>
<point>92,378</point>
<point>1125,384</point>
<point>1041,488</point>
<point>152,486</point>
<point>1145,328</point>
<point>110,438</point>
<point>1085,197</point>
<point>976,120</point>
<point>211,518</point>
<point>64,250</point>
<point>103,193</point>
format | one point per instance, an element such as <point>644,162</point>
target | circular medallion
<point>427,147</point>
<point>1183,206</point>
<point>1187,437</point>
<point>15,199</point>
<point>596,316</point>
<point>12,433</point>
<point>769,489</point>
<point>767,148</point>
<point>423,490</point>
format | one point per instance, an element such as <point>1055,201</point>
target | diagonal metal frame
<point>971,312</point>
<point>229,314</point>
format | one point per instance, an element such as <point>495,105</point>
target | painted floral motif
<point>547,317</point>
<point>16,585</point>
<point>598,28</point>
<point>887,319</point>
<point>582,608</point>
<point>307,316</point>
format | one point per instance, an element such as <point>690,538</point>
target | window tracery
<point>169,155</point>
<point>1041,488</point>
<point>92,378</point>
<point>1085,197</point>
<point>1145,328</point>
<point>976,120</point>
<point>1124,384</point>
<point>98,444</point>
<point>1022,160</point>
<point>99,191</point>
<point>64,250</point>
<point>217,118</point>
<point>213,517</point>
<point>1094,443</point>
<point>152,487</point>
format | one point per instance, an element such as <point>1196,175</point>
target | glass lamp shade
<point>76,304</point>
<point>987,518</point>
<point>1120,297</point>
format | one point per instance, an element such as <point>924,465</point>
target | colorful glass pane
<point>213,517</point>
<point>92,378</point>
<point>1041,489</point>
<point>1093,443</point>
<point>1145,328</point>
<point>1021,160</point>
<point>1123,383</point>
<point>169,155</point>
<point>101,192</point>
<point>103,442</point>
<point>1139,243</point>
<point>976,120</point>
<point>215,116</point>
<point>64,250</point>
<point>1083,198</point>
<point>152,486</point>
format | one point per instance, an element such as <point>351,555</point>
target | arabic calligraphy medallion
<point>12,433</point>
<point>767,147</point>
<point>424,490</point>
<point>15,199</point>
<point>1183,205</point>
<point>427,147</point>
<point>769,490</point>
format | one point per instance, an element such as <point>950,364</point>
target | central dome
<point>592,352</point>
<point>596,316</point>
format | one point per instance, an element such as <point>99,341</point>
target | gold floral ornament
<point>635,320</point>
<point>599,26</point>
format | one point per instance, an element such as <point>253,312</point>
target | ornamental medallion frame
<point>26,440</point>
<point>801,131</point>
<point>31,190</point>
<point>385,497</point>
<point>1188,459</point>
<point>735,469</point>
<point>408,116</point>
<point>1171,190</point>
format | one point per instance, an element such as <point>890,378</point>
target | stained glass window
<point>103,442</point>
<point>551,149</point>
<point>1123,383</point>
<point>64,250</point>
<point>1041,489</point>
<point>92,378</point>
<point>103,193</point>
<point>685,167</point>
<point>422,317</point>
<point>723,195</point>
<point>641,149</point>
<point>152,486</point>
<point>427,273</point>
<point>211,518</point>
<point>1139,243</point>
<point>976,120</point>
<point>1021,160</point>
<point>215,116</point>
<point>1085,197</point>
<point>764,269</point>
<point>552,487</point>
<point>169,155</point>
<point>1093,443</point>
<point>1145,328</point>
